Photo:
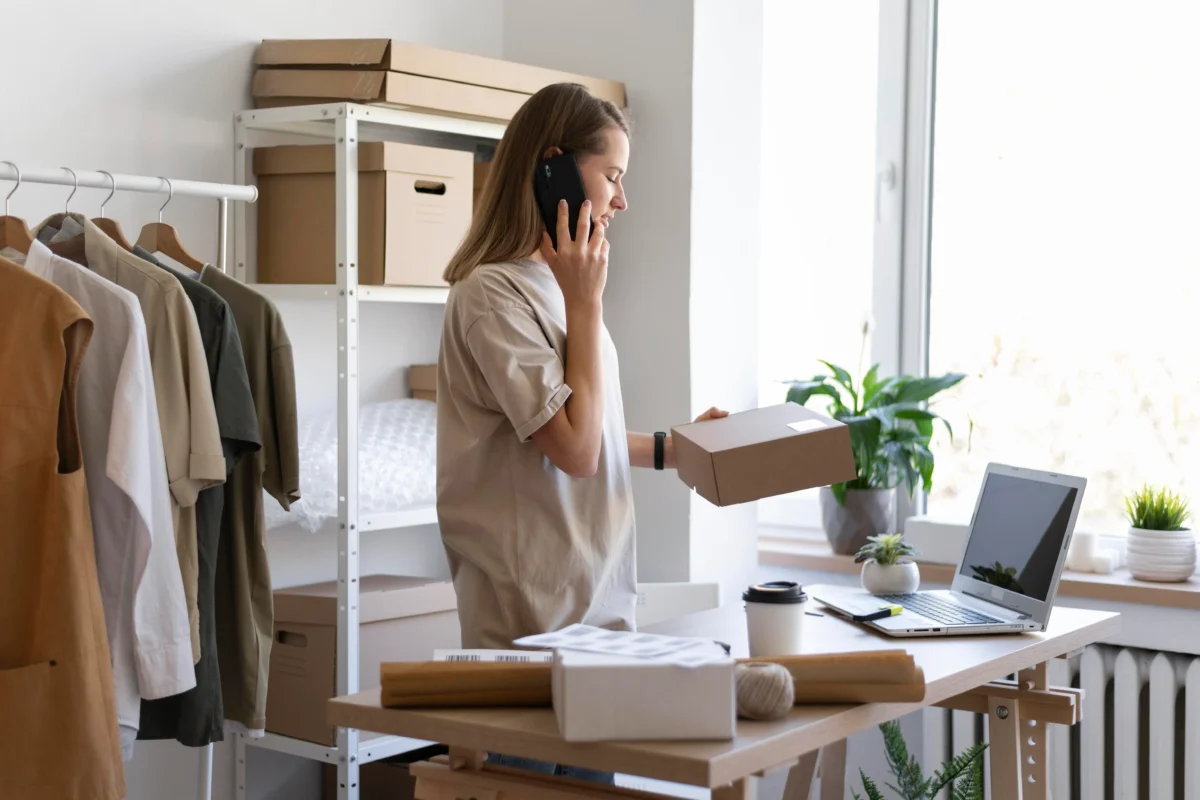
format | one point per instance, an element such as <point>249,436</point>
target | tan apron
<point>58,724</point>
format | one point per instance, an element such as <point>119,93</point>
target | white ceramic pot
<point>902,578</point>
<point>1163,556</point>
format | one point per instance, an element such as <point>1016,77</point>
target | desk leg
<point>833,771</point>
<point>800,778</point>
<point>1034,735</point>
<point>1004,735</point>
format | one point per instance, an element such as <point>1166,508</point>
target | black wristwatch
<point>660,441</point>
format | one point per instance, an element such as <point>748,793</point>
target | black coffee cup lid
<point>783,592</point>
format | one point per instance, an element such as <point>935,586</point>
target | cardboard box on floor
<point>414,207</point>
<point>400,619</point>
<point>762,453</point>
<point>405,75</point>
<point>422,382</point>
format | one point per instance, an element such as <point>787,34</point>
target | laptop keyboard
<point>939,610</point>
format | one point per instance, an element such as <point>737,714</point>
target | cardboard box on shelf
<point>414,206</point>
<point>429,62</point>
<point>422,381</point>
<point>624,698</point>
<point>400,619</point>
<point>762,453</point>
<point>290,87</point>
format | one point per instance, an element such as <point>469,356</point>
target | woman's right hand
<point>580,266</point>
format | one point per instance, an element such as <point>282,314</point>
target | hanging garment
<point>186,413</point>
<point>196,717</point>
<point>58,729</point>
<point>145,612</point>
<point>245,611</point>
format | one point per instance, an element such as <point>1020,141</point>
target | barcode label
<point>495,656</point>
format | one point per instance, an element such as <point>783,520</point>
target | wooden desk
<point>959,672</point>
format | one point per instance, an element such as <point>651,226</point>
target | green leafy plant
<point>999,575</point>
<point>890,423</point>
<point>1158,509</point>
<point>885,548</point>
<point>963,774</point>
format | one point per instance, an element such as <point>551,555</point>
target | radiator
<point>1140,735</point>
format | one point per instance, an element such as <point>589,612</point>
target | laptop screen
<point>1018,533</point>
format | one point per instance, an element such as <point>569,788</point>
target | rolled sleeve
<point>523,371</point>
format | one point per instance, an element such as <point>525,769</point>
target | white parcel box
<point>623,698</point>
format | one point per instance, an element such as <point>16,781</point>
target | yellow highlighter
<point>886,610</point>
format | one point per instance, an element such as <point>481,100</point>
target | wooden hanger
<point>159,237</point>
<point>14,232</point>
<point>111,226</point>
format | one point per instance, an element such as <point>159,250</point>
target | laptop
<point>1009,571</point>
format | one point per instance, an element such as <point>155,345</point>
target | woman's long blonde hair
<point>507,224</point>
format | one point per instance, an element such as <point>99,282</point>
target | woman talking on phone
<point>534,496</point>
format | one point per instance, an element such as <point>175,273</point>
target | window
<point>820,64</point>
<point>1064,267</point>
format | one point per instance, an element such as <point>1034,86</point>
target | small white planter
<point>900,578</point>
<point>1162,556</point>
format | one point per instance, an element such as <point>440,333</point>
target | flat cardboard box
<point>414,207</point>
<point>422,381</point>
<point>762,453</point>
<point>400,619</point>
<point>289,87</point>
<point>611,698</point>
<point>431,62</point>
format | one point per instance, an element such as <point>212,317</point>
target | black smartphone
<point>554,179</point>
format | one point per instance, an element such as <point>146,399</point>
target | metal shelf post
<point>346,179</point>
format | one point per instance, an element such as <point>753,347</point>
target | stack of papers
<point>677,650</point>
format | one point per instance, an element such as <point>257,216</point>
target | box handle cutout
<point>429,187</point>
<point>292,639</point>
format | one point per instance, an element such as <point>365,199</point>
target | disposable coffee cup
<point>775,618</point>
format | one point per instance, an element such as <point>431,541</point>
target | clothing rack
<point>223,192</point>
<point>65,176</point>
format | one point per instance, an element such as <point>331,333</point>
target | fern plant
<point>963,774</point>
<point>1156,509</point>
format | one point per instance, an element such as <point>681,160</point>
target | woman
<point>534,497</point>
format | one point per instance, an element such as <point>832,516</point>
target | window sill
<point>799,548</point>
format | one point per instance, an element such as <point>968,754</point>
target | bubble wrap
<point>396,463</point>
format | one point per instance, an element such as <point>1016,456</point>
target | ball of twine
<point>764,691</point>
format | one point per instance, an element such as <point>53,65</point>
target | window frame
<point>903,194</point>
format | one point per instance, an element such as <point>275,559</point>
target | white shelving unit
<point>346,125</point>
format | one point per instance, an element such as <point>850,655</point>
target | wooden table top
<point>952,665</point>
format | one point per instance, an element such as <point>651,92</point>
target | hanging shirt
<point>196,717</point>
<point>531,549</point>
<point>186,413</point>
<point>145,612</point>
<point>58,729</point>
<point>245,610</point>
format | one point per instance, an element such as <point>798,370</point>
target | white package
<point>621,698</point>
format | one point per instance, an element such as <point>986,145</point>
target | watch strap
<point>660,441</point>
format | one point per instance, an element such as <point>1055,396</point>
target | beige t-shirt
<point>531,549</point>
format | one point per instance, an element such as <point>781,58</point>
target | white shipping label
<point>806,425</point>
<point>499,656</point>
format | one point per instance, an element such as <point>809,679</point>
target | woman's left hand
<point>712,413</point>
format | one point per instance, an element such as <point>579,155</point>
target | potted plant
<point>1160,547</point>
<point>887,565</point>
<point>890,430</point>
<point>962,775</point>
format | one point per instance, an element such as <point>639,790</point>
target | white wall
<point>144,87</point>
<point>646,304</point>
